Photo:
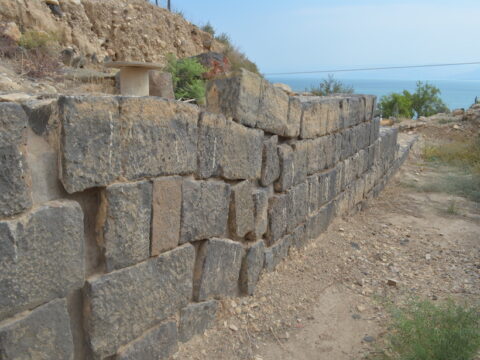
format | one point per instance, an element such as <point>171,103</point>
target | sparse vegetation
<point>187,78</point>
<point>36,39</point>
<point>422,330</point>
<point>208,28</point>
<point>452,208</point>
<point>236,57</point>
<point>425,101</point>
<point>330,86</point>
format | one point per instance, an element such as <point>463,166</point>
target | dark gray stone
<point>90,142</point>
<point>270,161</point>
<point>217,269</point>
<point>287,174</point>
<point>205,207</point>
<point>276,253</point>
<point>130,301</point>
<point>313,194</point>
<point>158,343</point>
<point>242,209</point>
<point>277,217</point>
<point>41,334</point>
<point>297,205</point>
<point>300,161</point>
<point>39,113</point>
<point>126,229</point>
<point>260,201</point>
<point>252,266</point>
<point>159,137</point>
<point>41,256</point>
<point>298,237</point>
<point>228,149</point>
<point>15,193</point>
<point>196,318</point>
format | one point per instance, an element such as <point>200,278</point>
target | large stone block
<point>260,201</point>
<point>270,161</point>
<point>313,194</point>
<point>130,301</point>
<point>287,170</point>
<point>217,269</point>
<point>167,214</point>
<point>242,209</point>
<point>158,343</point>
<point>205,208</point>
<point>159,137</point>
<point>196,318</point>
<point>15,193</point>
<point>276,253</point>
<point>127,210</point>
<point>297,205</point>
<point>370,105</point>
<point>298,237</point>
<point>300,161</point>
<point>104,138</point>
<point>43,333</point>
<point>237,97</point>
<point>90,152</point>
<point>294,118</point>
<point>252,266</point>
<point>273,109</point>
<point>321,115</point>
<point>228,149</point>
<point>41,256</point>
<point>277,217</point>
<point>353,110</point>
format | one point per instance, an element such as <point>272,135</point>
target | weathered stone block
<point>90,142</point>
<point>260,201</point>
<point>15,194</point>
<point>315,152</point>
<point>252,266</point>
<point>353,110</point>
<point>330,147</point>
<point>43,333</point>
<point>273,110</point>
<point>228,149</point>
<point>277,217</point>
<point>318,223</point>
<point>196,318</point>
<point>157,343</point>
<point>159,137</point>
<point>167,214</point>
<point>270,161</point>
<point>41,256</point>
<point>126,225</point>
<point>320,116</point>
<point>130,301</point>
<point>297,205</point>
<point>217,269</point>
<point>242,209</point>
<point>237,97</point>
<point>294,118</point>
<point>287,170</point>
<point>300,161</point>
<point>375,130</point>
<point>39,113</point>
<point>313,194</point>
<point>276,253</point>
<point>205,206</point>
<point>370,105</point>
<point>299,237</point>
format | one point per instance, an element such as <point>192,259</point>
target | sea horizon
<point>455,93</point>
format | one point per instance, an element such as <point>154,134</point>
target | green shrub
<point>224,39</point>
<point>422,330</point>
<point>235,56</point>
<point>331,86</point>
<point>208,28</point>
<point>32,39</point>
<point>425,101</point>
<point>187,78</point>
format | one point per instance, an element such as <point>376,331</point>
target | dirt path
<point>326,302</point>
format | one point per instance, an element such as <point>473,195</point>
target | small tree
<point>397,104</point>
<point>330,86</point>
<point>426,100</point>
<point>187,78</point>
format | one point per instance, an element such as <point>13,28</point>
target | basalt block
<point>157,343</point>
<point>196,318</point>
<point>260,201</point>
<point>126,226</point>
<point>205,208</point>
<point>277,217</point>
<point>42,256</point>
<point>132,300</point>
<point>252,266</point>
<point>276,253</point>
<point>43,333</point>
<point>242,209</point>
<point>228,149</point>
<point>217,269</point>
<point>270,161</point>
<point>15,193</point>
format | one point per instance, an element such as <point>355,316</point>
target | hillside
<point>120,29</point>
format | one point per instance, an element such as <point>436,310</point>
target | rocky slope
<point>119,29</point>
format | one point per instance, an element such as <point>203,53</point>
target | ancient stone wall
<point>123,220</point>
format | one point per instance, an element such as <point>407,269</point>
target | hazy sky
<point>303,35</point>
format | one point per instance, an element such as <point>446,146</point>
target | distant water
<point>455,93</point>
